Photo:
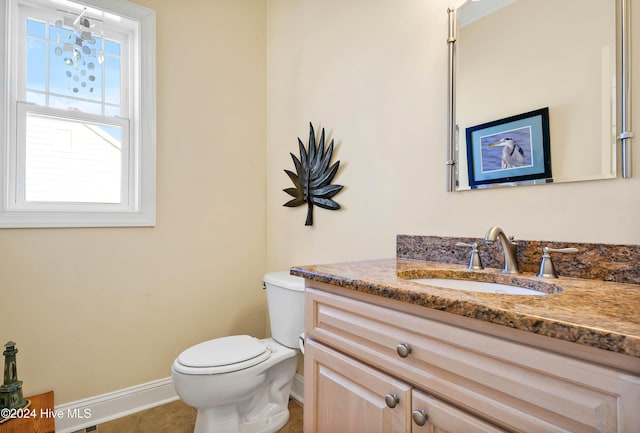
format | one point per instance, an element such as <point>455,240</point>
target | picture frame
<point>513,149</point>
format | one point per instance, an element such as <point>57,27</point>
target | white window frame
<point>139,163</point>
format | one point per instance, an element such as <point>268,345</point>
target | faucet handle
<point>547,270</point>
<point>474,261</point>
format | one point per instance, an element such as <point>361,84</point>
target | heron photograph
<point>509,149</point>
<point>512,149</point>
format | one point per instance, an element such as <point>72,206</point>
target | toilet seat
<point>222,355</point>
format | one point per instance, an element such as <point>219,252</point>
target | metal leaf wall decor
<point>313,176</point>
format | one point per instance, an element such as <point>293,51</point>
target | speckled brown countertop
<point>600,314</point>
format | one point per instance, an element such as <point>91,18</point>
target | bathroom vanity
<point>387,354</point>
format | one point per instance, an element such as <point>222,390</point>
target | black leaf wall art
<point>313,176</point>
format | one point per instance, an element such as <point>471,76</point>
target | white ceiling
<point>473,10</point>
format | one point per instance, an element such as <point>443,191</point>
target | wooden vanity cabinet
<point>369,367</point>
<point>349,396</point>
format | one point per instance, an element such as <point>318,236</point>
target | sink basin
<point>477,286</point>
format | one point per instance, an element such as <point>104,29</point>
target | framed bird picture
<point>509,150</point>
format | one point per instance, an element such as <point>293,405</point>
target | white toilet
<point>239,383</point>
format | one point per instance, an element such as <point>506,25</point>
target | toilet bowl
<point>240,383</point>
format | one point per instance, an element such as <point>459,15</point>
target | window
<point>78,119</point>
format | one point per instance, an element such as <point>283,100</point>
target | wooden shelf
<point>36,424</point>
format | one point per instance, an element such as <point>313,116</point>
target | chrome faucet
<point>509,248</point>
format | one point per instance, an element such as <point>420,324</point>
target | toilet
<point>240,383</point>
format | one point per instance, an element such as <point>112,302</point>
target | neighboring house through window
<point>78,120</point>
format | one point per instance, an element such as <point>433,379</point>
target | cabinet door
<point>442,418</point>
<point>344,395</point>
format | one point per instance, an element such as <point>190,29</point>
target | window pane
<point>111,110</point>
<point>73,64</point>
<point>59,81</point>
<point>112,80</point>
<point>36,28</point>
<point>112,48</point>
<point>58,35</point>
<point>36,61</point>
<point>72,161</point>
<point>35,98</point>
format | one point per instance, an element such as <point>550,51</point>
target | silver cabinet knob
<point>392,400</point>
<point>419,416</point>
<point>403,349</point>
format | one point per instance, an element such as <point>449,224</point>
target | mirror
<point>513,58</point>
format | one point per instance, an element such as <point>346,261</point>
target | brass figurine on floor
<point>11,391</point>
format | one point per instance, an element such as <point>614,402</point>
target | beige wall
<point>374,73</point>
<point>97,310</point>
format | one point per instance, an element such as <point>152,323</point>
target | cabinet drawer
<point>513,385</point>
<point>443,418</point>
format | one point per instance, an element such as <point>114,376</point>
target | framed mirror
<point>512,58</point>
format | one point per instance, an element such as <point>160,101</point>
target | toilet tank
<point>285,298</point>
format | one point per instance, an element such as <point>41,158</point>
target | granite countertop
<point>600,314</point>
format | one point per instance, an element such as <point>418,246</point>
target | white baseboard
<point>80,414</point>
<point>297,388</point>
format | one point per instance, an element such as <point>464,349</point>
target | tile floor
<point>177,417</point>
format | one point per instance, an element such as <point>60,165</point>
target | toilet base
<point>226,419</point>
<point>252,400</point>
<point>267,426</point>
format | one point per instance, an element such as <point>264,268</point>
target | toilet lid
<point>225,352</point>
